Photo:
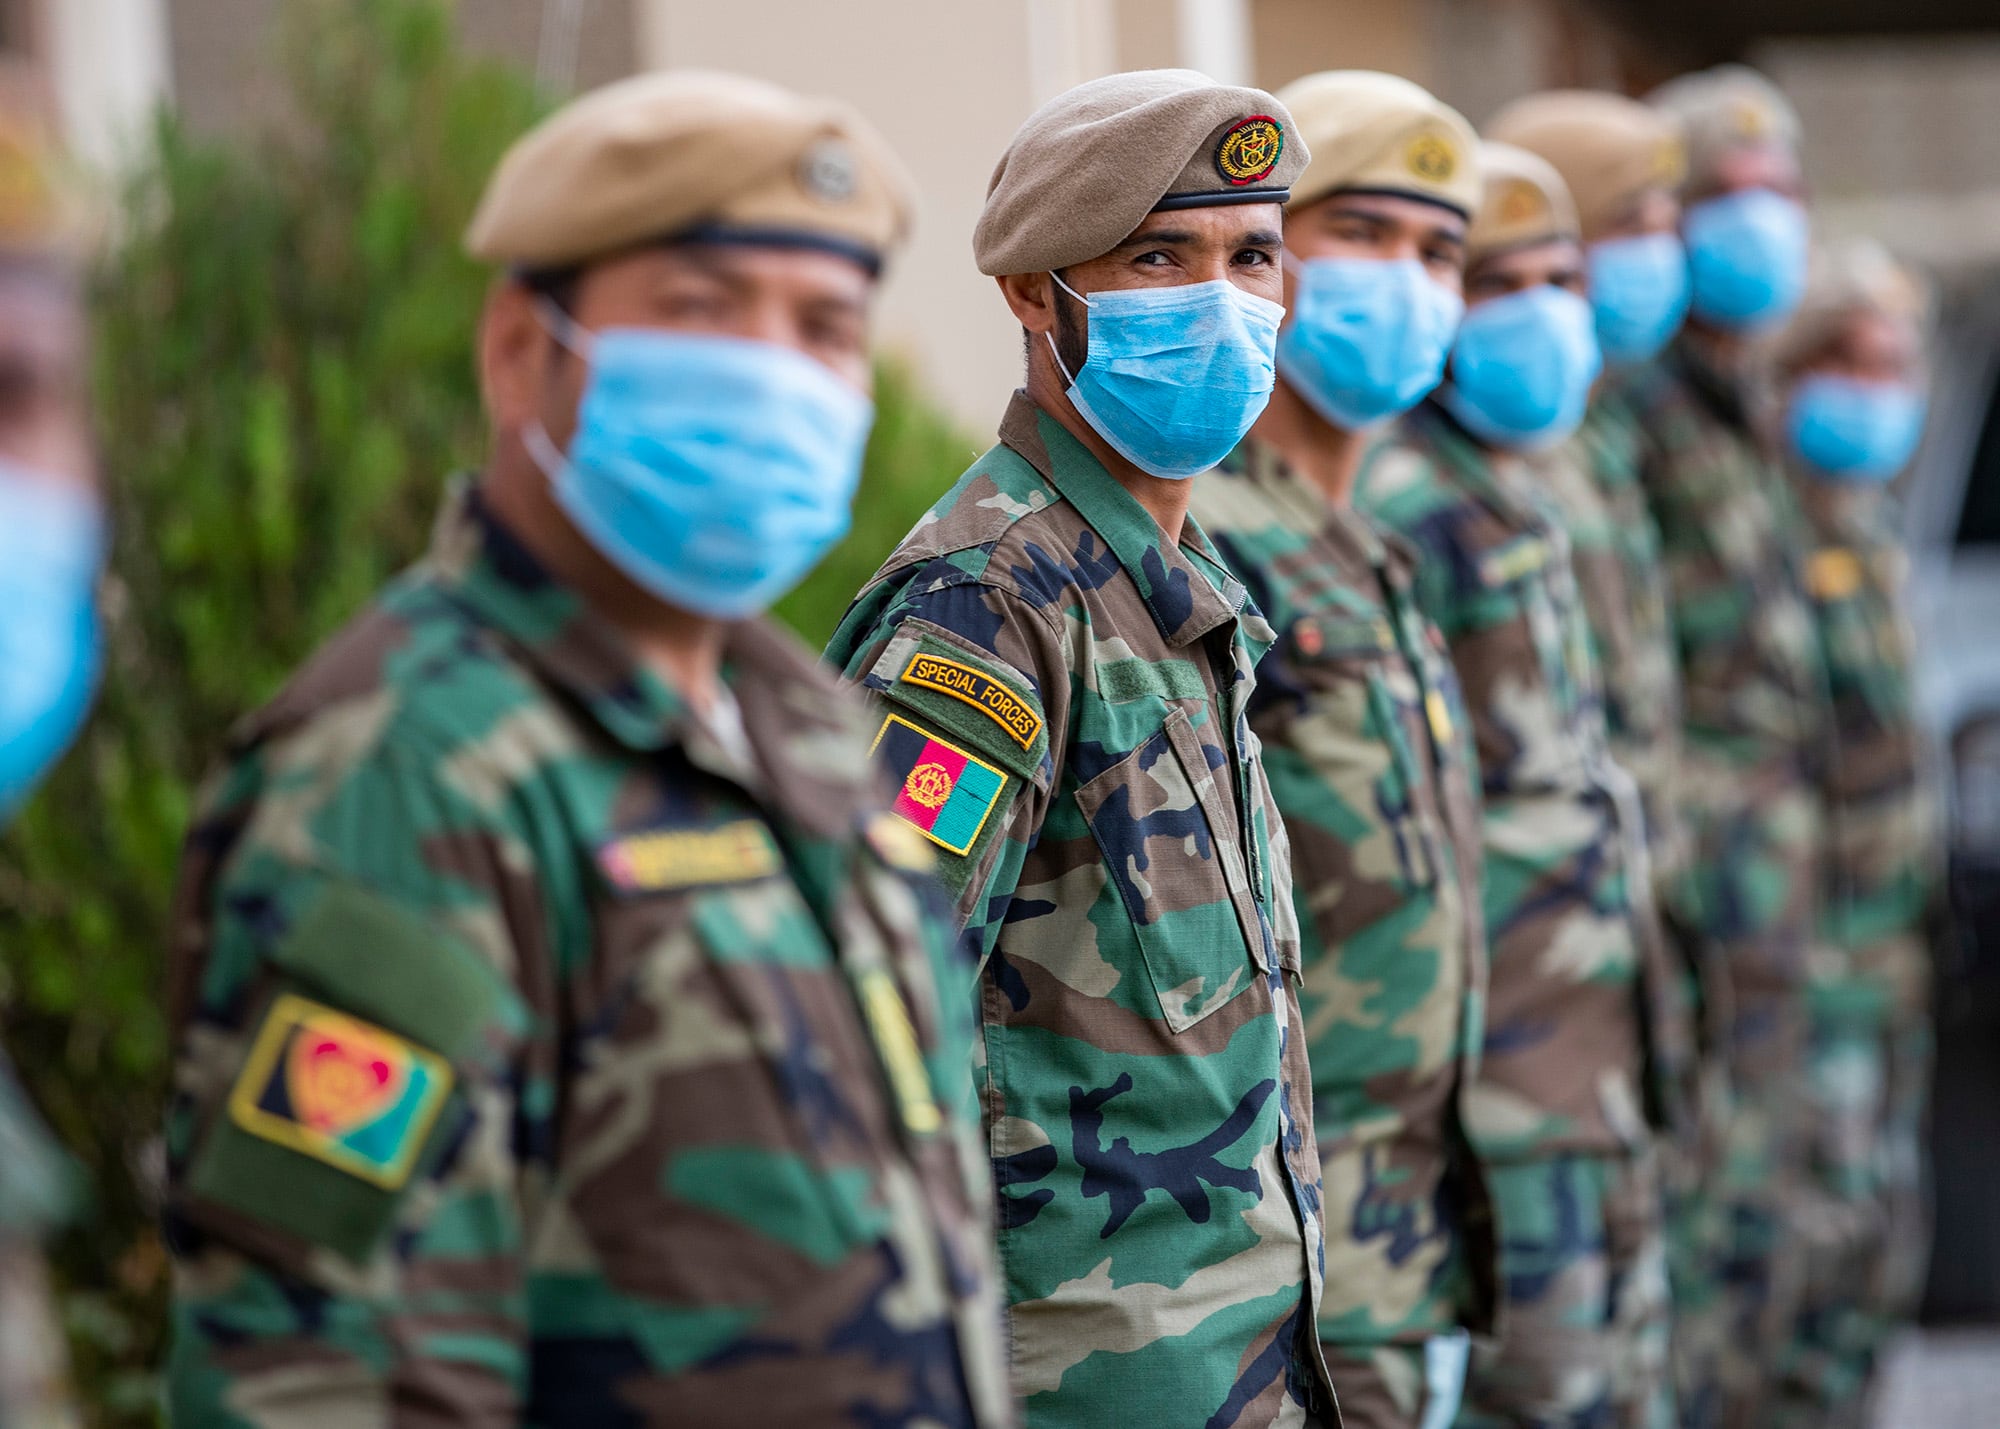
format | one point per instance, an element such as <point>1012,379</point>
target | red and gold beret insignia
<point>1250,149</point>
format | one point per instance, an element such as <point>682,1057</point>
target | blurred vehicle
<point>1952,519</point>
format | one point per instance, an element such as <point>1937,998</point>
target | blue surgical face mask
<point>1638,294</point>
<point>1849,431</point>
<point>1747,258</point>
<point>1174,377</point>
<point>713,471</point>
<point>1368,337</point>
<point>1522,368</point>
<point>51,545</point>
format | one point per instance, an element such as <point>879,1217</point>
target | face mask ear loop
<point>562,327</point>
<point>1050,336</point>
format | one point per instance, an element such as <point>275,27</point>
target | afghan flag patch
<point>340,1090</point>
<point>945,793</point>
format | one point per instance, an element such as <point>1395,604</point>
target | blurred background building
<point>1899,96</point>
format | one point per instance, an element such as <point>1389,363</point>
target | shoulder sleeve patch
<point>344,1092</point>
<point>970,696</point>
<point>946,793</point>
<point>1021,721</point>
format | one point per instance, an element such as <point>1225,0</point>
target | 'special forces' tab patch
<point>978,689</point>
<point>1250,150</point>
<point>340,1090</point>
<point>667,859</point>
<point>944,792</point>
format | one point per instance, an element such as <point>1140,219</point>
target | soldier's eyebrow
<point>1156,238</point>
<point>1260,238</point>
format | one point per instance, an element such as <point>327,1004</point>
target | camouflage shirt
<point>1884,842</point>
<point>546,1056</point>
<point>1362,726</point>
<point>1563,1060</point>
<point>1616,548</point>
<point>1063,700</point>
<point>1751,676</point>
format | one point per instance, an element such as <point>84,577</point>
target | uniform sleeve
<point>971,688</point>
<point>349,1103</point>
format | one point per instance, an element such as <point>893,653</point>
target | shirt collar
<point>1186,587</point>
<point>801,729</point>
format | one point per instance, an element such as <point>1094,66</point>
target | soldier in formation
<point>566,1032</point>
<point>1622,163</point>
<point>1560,1113</point>
<point>1752,677</point>
<point>1364,737</point>
<point>1061,666</point>
<point>1846,397</point>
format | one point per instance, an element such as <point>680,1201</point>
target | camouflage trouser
<point>1585,1312</point>
<point>1899,1281</point>
<point>1755,1185</point>
<point>1395,1386</point>
<point>1859,1210</point>
<point>1697,1233</point>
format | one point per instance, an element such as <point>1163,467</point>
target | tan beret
<point>1384,134</point>
<point>1522,201</point>
<point>40,213</point>
<point>1087,167</point>
<point>1728,107</point>
<point>1610,150</point>
<point>1846,280</point>
<point>678,152</point>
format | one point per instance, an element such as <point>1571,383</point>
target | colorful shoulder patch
<point>340,1090</point>
<point>663,860</point>
<point>978,689</point>
<point>944,792</point>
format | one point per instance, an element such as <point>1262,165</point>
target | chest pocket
<point>721,1073</point>
<point>1155,816</point>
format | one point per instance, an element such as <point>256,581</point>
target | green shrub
<point>285,378</point>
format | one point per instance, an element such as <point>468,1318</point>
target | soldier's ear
<point>514,355</point>
<point>1032,299</point>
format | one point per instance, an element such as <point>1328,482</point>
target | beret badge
<point>826,171</point>
<point>1250,149</point>
<point>1431,158</point>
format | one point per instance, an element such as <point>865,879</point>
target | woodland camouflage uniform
<point>1622,579</point>
<point>1122,873</point>
<point>1863,1217</point>
<point>1365,743</point>
<point>539,1059</point>
<point>1754,690</point>
<point>1560,1110</point>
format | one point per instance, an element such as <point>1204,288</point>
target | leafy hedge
<point>285,377</point>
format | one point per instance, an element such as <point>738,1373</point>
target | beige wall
<point>947,83</point>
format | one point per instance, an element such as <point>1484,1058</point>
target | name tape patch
<point>1513,561</point>
<point>978,689</point>
<point>340,1090</point>
<point>666,859</point>
<point>895,1039</point>
<point>945,793</point>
